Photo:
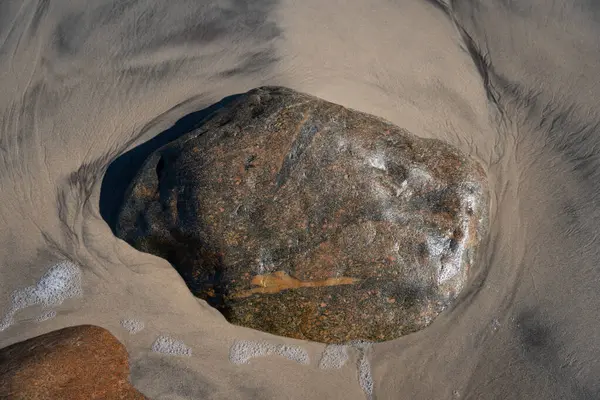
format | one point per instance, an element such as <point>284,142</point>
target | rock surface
<point>302,218</point>
<point>81,362</point>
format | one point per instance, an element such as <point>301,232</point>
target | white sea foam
<point>243,351</point>
<point>133,325</point>
<point>62,281</point>
<point>334,356</point>
<point>167,345</point>
<point>365,377</point>
<point>46,316</point>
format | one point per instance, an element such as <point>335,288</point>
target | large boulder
<point>302,218</point>
<point>77,363</point>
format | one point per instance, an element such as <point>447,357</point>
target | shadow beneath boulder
<point>123,170</point>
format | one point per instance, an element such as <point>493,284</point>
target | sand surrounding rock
<point>89,89</point>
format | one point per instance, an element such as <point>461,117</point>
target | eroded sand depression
<point>512,85</point>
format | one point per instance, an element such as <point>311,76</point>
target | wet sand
<point>89,88</point>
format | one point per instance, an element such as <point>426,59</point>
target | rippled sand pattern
<point>89,88</point>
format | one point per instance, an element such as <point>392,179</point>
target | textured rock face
<point>303,218</point>
<point>81,362</point>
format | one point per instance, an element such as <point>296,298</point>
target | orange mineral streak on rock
<point>279,280</point>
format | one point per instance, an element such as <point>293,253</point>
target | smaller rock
<point>81,362</point>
